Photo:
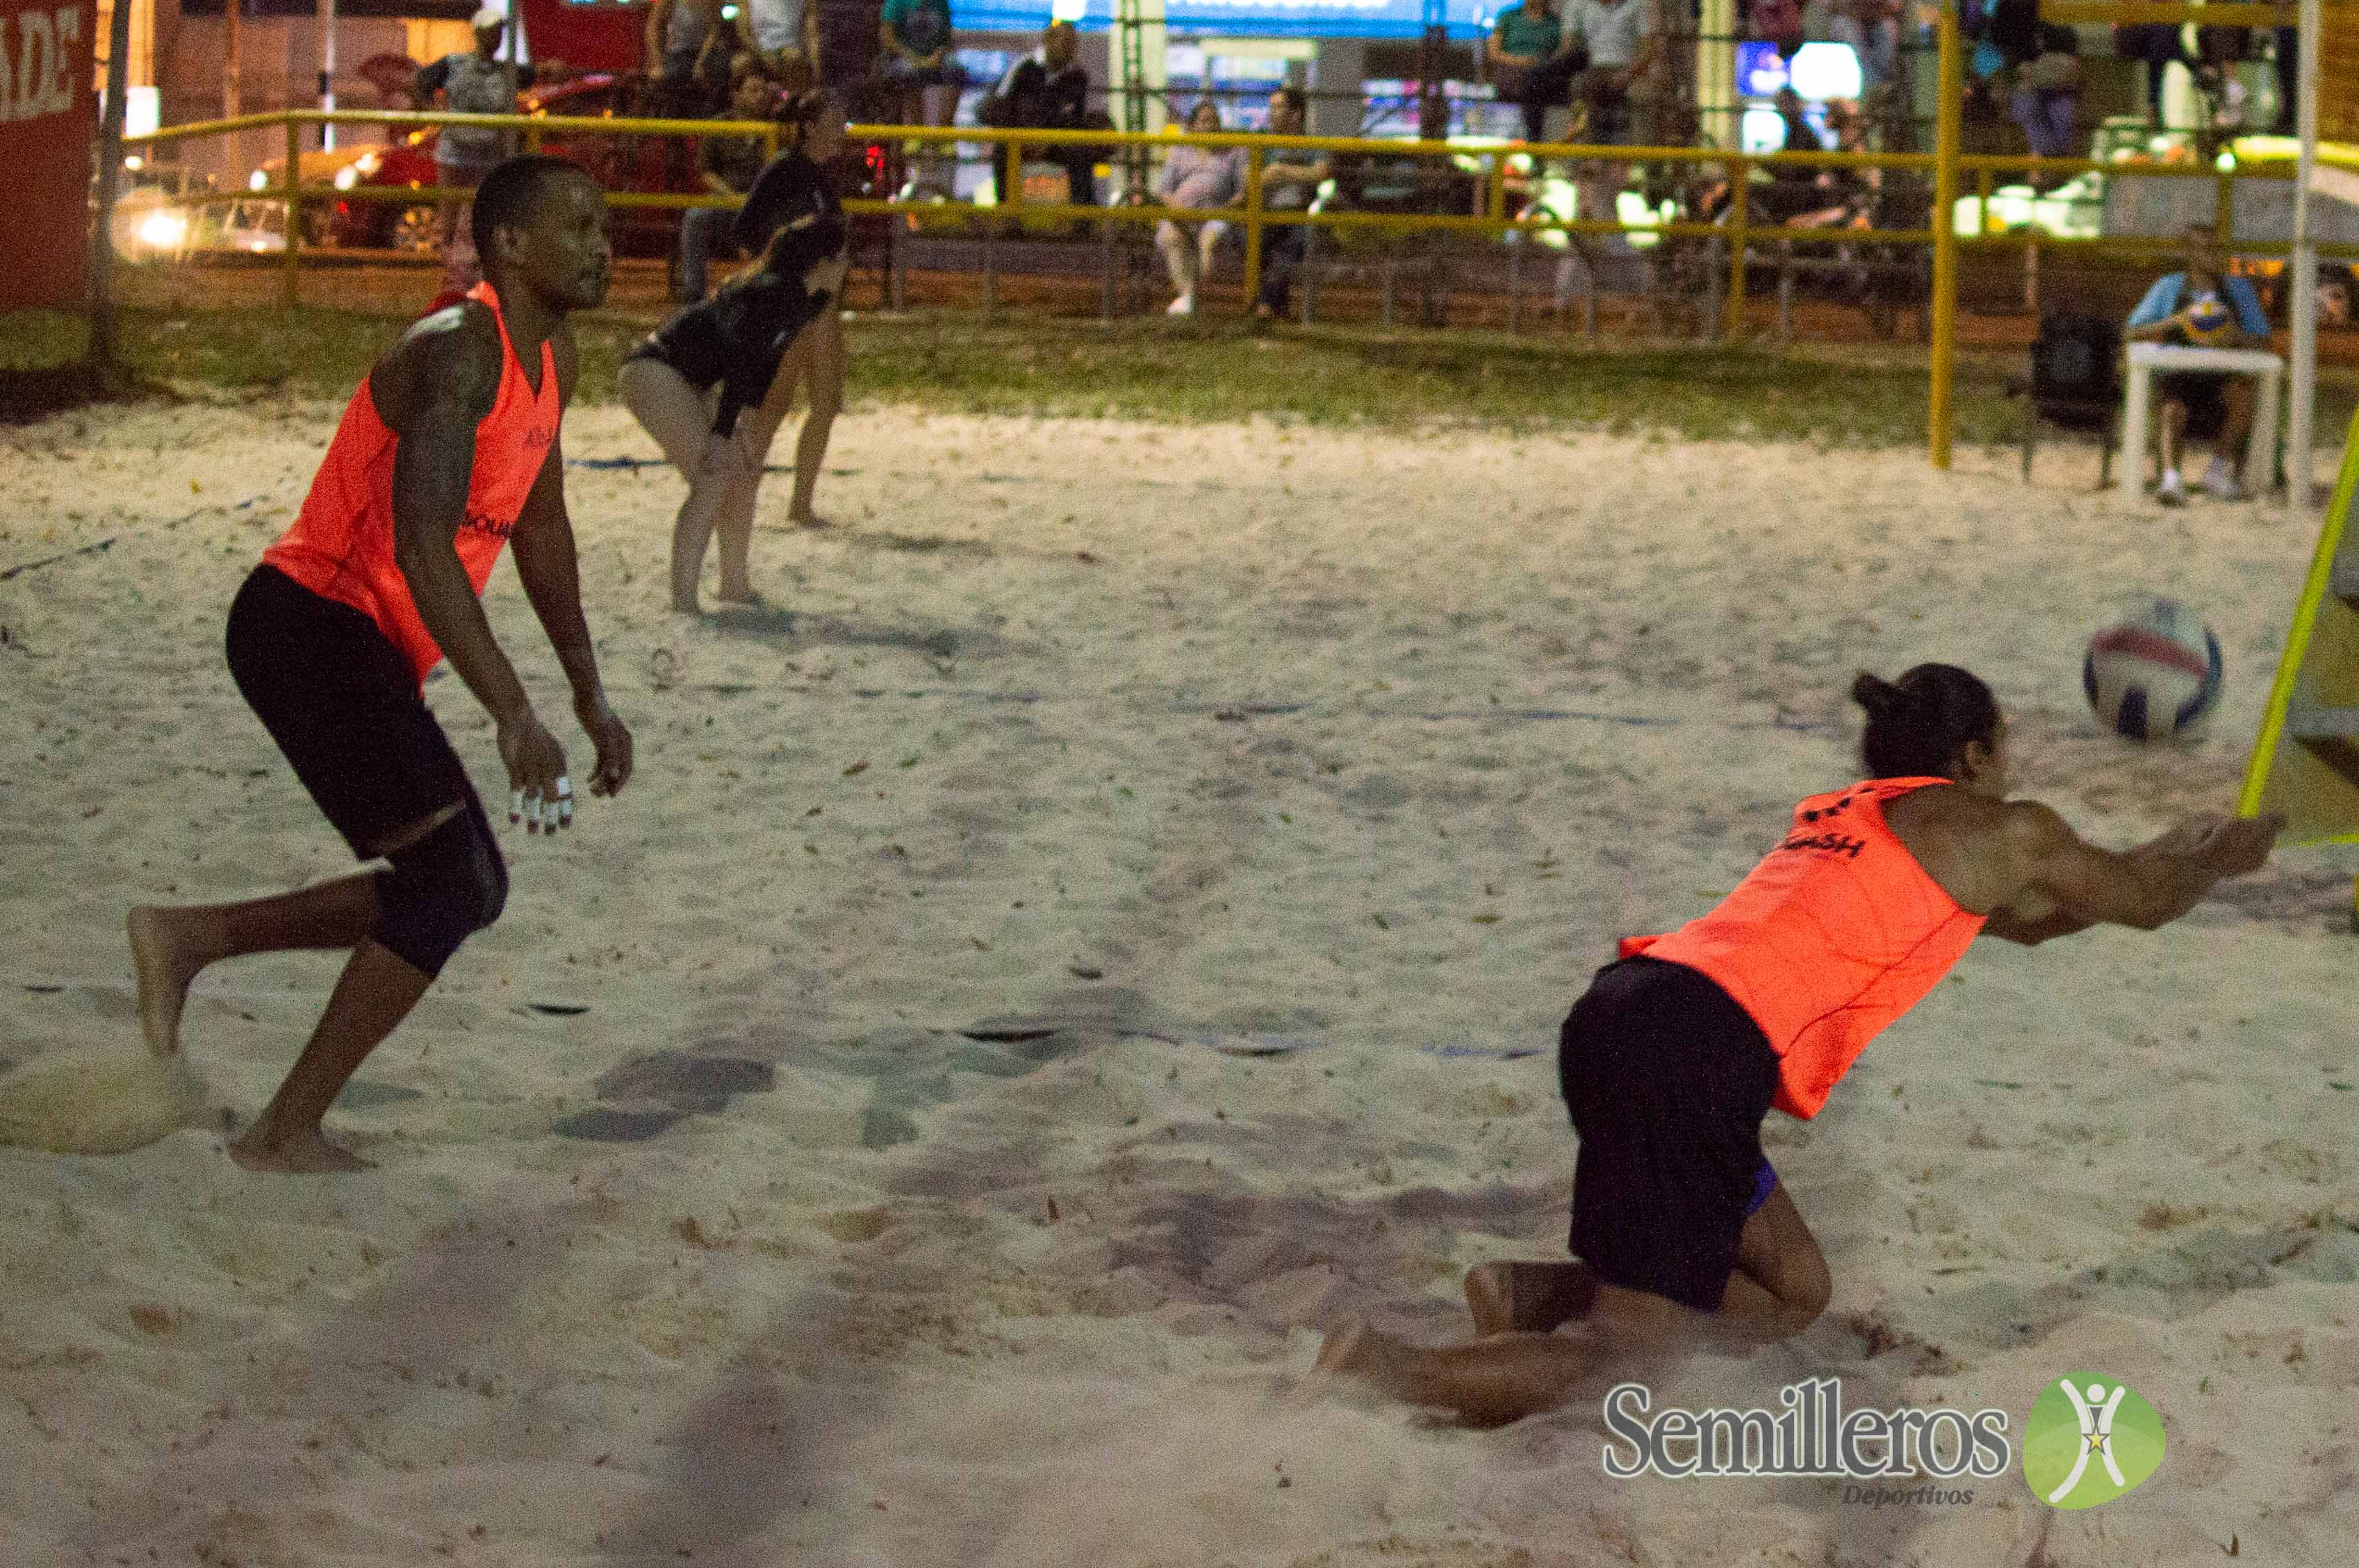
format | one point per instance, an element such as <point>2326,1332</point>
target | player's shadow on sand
<point>796,630</point>
<point>912,1069</point>
<point>437,1340</point>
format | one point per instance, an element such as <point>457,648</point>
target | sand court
<point>1106,914</point>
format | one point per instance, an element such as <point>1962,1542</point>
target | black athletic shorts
<point>2203,394</point>
<point>345,707</point>
<point>1667,1080</point>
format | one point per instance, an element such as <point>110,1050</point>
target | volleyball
<point>2153,673</point>
<point>2209,321</point>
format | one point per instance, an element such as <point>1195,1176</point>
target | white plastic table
<point>2145,358</point>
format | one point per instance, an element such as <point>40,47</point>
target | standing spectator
<point>1777,21</point>
<point>1622,44</point>
<point>922,69</point>
<point>727,166</point>
<point>1289,183</point>
<point>2288,67</point>
<point>778,34</point>
<point>1532,62</point>
<point>687,55</point>
<point>2202,305</point>
<point>1049,91</point>
<point>1199,177</point>
<point>1872,28</point>
<point>476,82</point>
<point>2158,45</point>
<point>2047,102</point>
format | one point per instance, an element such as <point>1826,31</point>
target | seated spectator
<point>1199,178</point>
<point>1290,182</point>
<point>1533,63</point>
<point>1843,198</point>
<point>687,55</point>
<point>2047,102</point>
<point>1049,91</point>
<point>726,166</point>
<point>2201,305</point>
<point>921,67</point>
<point>779,34</point>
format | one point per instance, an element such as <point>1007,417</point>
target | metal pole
<point>327,77</point>
<point>1939,416</point>
<point>2302,277</point>
<point>231,53</point>
<point>110,178</point>
<point>288,292</point>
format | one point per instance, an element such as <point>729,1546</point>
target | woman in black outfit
<point>794,189</point>
<point>713,382</point>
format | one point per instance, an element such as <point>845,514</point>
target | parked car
<point>627,162</point>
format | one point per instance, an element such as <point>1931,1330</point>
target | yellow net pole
<point>1253,226</point>
<point>1939,416</point>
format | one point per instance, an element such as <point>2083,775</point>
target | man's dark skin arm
<point>548,568</point>
<point>432,391</point>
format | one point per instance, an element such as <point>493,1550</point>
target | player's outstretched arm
<point>549,569</point>
<point>2145,888</point>
<point>432,391</point>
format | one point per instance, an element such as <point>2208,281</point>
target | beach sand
<point>846,1149</point>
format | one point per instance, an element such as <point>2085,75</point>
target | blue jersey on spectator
<point>2164,300</point>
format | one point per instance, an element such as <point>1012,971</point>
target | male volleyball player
<point>448,452</point>
<point>1679,1050</point>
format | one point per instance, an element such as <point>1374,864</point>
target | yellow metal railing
<point>1485,217</point>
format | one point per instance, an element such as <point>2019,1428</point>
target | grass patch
<point>1400,380</point>
<point>41,339</point>
<point>1150,369</point>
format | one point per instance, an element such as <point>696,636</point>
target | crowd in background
<point>1589,71</point>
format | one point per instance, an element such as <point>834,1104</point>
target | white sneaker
<point>1183,306</point>
<point>2172,492</point>
<point>2220,480</point>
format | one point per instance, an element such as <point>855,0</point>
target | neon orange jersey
<point>1835,933</point>
<point>341,547</point>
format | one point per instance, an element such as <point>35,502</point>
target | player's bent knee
<point>1804,1289</point>
<point>441,890</point>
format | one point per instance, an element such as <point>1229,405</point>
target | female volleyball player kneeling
<point>1682,1046</point>
<point>708,385</point>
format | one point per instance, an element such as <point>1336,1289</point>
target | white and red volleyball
<point>2155,672</point>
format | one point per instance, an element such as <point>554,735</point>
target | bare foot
<point>747,594</point>
<point>807,520</point>
<point>305,1153</point>
<point>1531,1298</point>
<point>1491,1297</point>
<point>685,607</point>
<point>164,972</point>
<point>1352,1350</point>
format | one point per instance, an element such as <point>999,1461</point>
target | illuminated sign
<point>1236,18</point>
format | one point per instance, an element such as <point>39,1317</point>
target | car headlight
<point>368,163</point>
<point>163,231</point>
<point>348,176</point>
<point>258,181</point>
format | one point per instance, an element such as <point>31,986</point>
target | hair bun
<point>1875,693</point>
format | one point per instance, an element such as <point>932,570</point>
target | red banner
<point>48,117</point>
